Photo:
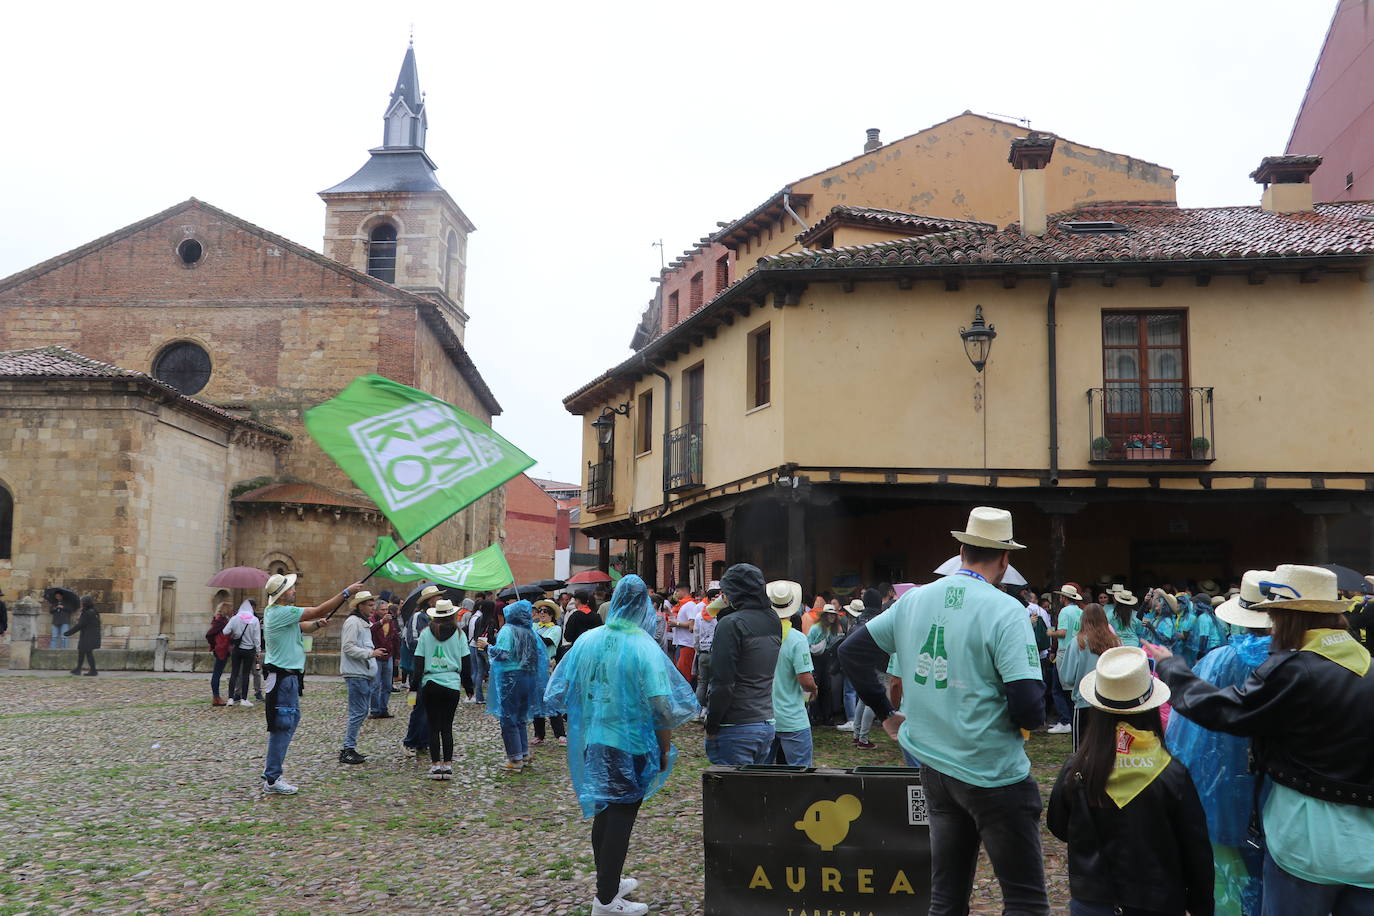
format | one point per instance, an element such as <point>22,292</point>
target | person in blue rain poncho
<point>623,697</point>
<point>1208,632</point>
<point>519,672</point>
<point>1220,763</point>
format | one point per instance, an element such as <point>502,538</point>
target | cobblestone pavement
<point>134,795</point>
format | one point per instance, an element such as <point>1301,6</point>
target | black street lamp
<point>605,424</point>
<point>978,339</point>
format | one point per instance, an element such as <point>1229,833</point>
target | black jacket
<point>1153,854</point>
<point>744,654</point>
<point>89,628</point>
<point>1310,720</point>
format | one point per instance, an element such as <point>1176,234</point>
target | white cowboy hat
<point>785,596</point>
<point>1125,596</point>
<point>1116,588</point>
<point>1122,684</point>
<point>988,527</point>
<point>855,608</point>
<point>1303,588</point>
<point>1068,591</point>
<point>829,609</point>
<point>359,598</point>
<point>442,608</point>
<point>278,585</point>
<point>1171,601</point>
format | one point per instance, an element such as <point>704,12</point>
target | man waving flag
<point>418,458</point>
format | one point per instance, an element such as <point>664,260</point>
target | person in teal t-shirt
<point>793,687</point>
<point>970,674</point>
<point>437,675</point>
<point>283,664</point>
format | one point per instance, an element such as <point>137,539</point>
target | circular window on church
<point>183,365</point>
<point>190,252</point>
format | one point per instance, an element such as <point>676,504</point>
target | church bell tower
<point>392,219</point>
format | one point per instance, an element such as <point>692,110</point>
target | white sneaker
<point>280,787</point>
<point>1063,728</point>
<point>618,907</point>
<point>248,703</point>
<point>627,886</point>
<point>846,727</point>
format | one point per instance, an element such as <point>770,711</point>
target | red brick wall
<point>679,280</point>
<point>715,553</point>
<point>531,524</point>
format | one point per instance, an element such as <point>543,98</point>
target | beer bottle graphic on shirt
<point>925,662</point>
<point>941,664</point>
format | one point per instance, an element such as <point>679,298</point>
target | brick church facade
<point>194,312</point>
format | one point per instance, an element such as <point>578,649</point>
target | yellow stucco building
<point>1170,394</point>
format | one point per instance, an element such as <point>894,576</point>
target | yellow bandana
<point>786,628</point>
<point>1140,758</point>
<point>1340,647</point>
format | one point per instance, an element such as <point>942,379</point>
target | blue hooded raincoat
<point>618,688</point>
<point>519,668</point>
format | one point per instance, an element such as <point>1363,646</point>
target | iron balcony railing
<point>598,492</point>
<point>1152,422</point>
<point>683,450</point>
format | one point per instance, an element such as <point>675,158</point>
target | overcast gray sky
<point>574,135</point>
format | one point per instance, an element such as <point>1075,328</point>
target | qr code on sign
<point>917,815</point>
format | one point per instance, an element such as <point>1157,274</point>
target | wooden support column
<point>684,563</point>
<point>1319,545</point>
<point>603,554</point>
<point>797,548</point>
<point>648,559</point>
<point>727,517</point>
<point>1059,513</point>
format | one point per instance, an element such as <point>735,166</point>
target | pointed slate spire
<point>405,120</point>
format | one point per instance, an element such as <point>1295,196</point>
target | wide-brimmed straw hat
<point>1243,609</point>
<point>1122,683</point>
<point>546,604</point>
<point>1070,591</point>
<point>1303,588</point>
<point>278,585</point>
<point>359,598</point>
<point>988,527</point>
<point>855,608</point>
<point>442,608</point>
<point>1126,596</point>
<point>428,592</point>
<point>1171,601</point>
<point>1208,586</point>
<point>829,609</point>
<point>785,596</point>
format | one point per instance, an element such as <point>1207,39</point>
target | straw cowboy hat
<point>547,605</point>
<point>785,596</point>
<point>1171,601</point>
<point>1122,684</point>
<point>829,609</point>
<point>1208,586</point>
<point>278,585</point>
<point>855,608</point>
<point>988,527</point>
<point>428,592</point>
<point>1242,609</point>
<point>359,598</point>
<point>442,608</point>
<point>1070,591</point>
<point>1303,588</point>
<point>1126,596</point>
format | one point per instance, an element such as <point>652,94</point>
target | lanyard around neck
<point>971,574</point>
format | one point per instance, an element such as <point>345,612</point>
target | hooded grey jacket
<point>355,649</point>
<point>744,654</point>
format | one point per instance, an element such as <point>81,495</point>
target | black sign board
<point>790,841</point>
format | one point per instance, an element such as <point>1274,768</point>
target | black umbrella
<point>1347,579</point>
<point>551,585</point>
<point>448,591</point>
<point>532,591</point>
<point>70,598</point>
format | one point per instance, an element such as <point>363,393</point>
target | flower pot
<point>1199,454</point>
<point>1163,454</point>
<point>1138,454</point>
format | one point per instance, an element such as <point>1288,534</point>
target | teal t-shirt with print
<point>443,660</point>
<point>1070,621</point>
<point>956,642</point>
<point>282,637</point>
<point>789,700</point>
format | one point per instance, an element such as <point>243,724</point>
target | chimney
<point>1287,182</point>
<point>1029,156</point>
<point>872,142</point>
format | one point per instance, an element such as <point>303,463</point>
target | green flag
<point>484,571</point>
<point>420,459</point>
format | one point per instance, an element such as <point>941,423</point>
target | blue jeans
<point>792,748</point>
<point>480,666</point>
<point>851,699</point>
<point>740,745</point>
<point>216,673</point>
<point>516,737</point>
<point>1289,895</point>
<point>1063,704</point>
<point>288,714</point>
<point>1006,820</point>
<point>417,730</point>
<point>381,687</point>
<point>59,636</point>
<point>359,694</point>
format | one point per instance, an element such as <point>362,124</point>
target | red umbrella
<point>590,576</point>
<point>239,577</point>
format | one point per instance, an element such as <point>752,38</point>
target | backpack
<point>223,643</point>
<point>1042,636</point>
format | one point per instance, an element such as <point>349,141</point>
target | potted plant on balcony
<point>1135,446</point>
<point>1201,447</point>
<point>1101,446</point>
<point>1160,447</point>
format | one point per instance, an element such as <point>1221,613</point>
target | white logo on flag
<point>461,570</point>
<point>419,450</point>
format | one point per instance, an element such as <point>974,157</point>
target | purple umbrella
<point>239,577</point>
